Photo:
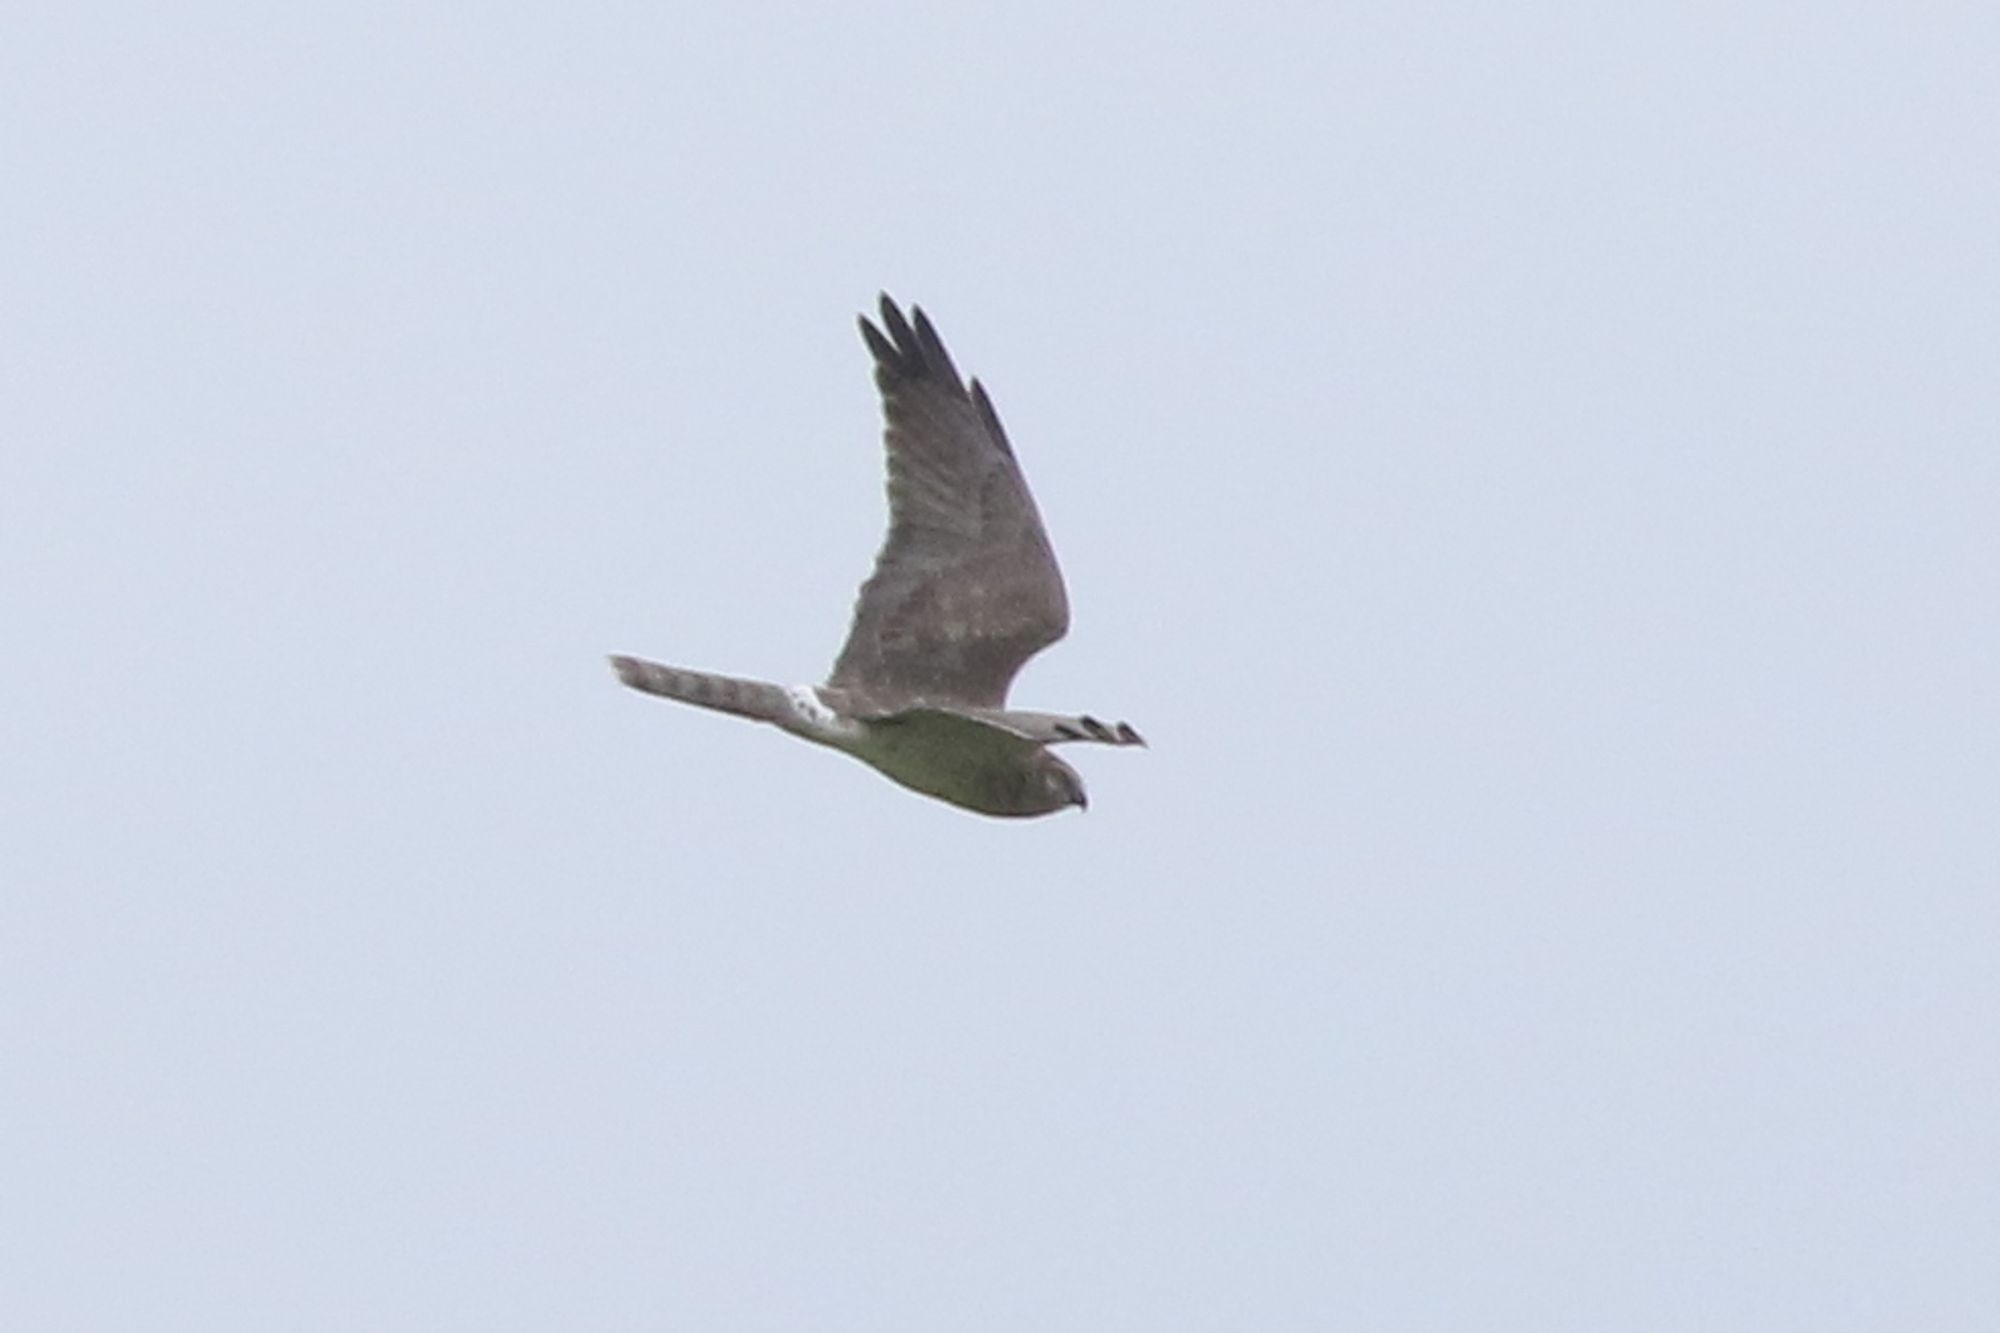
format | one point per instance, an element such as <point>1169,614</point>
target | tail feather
<point>725,694</point>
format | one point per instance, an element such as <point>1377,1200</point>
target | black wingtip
<point>895,348</point>
<point>908,347</point>
<point>879,346</point>
<point>897,327</point>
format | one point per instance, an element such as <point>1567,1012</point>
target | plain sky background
<point>1532,471</point>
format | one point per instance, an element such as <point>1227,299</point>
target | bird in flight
<point>964,592</point>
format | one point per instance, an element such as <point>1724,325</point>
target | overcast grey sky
<point>1530,470</point>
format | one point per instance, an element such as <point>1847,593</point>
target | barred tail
<point>726,694</point>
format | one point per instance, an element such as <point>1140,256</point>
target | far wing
<point>966,588</point>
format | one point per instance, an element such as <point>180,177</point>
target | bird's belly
<point>963,764</point>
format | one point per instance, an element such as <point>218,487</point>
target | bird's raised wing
<point>966,588</point>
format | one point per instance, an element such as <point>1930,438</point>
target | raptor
<point>964,592</point>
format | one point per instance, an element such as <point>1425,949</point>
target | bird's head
<point>1054,785</point>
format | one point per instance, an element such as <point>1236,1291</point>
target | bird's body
<point>965,590</point>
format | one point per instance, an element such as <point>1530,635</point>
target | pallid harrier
<point>964,592</point>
